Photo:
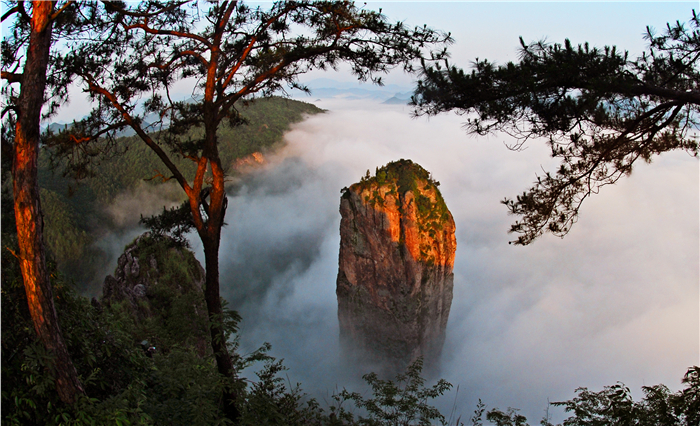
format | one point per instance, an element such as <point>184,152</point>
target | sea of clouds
<point>616,300</point>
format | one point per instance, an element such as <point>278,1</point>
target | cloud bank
<point>616,300</point>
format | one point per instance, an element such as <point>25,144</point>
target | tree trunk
<point>218,341</point>
<point>27,206</point>
<point>211,232</point>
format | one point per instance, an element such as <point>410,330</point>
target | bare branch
<point>10,12</point>
<point>11,77</point>
<point>142,134</point>
<point>59,11</point>
<point>144,26</point>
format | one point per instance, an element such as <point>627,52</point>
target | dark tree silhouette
<point>599,110</point>
<point>230,53</point>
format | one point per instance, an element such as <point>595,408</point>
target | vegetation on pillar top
<point>404,175</point>
<point>398,178</point>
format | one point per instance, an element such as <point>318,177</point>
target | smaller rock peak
<point>158,280</point>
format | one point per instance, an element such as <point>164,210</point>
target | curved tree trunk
<point>27,206</point>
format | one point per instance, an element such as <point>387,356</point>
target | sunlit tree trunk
<point>211,233</point>
<point>27,206</point>
<point>210,230</point>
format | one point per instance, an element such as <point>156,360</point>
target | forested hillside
<point>75,212</point>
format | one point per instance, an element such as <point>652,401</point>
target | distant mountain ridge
<point>326,88</point>
<point>128,131</point>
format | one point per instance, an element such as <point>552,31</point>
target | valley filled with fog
<point>615,300</point>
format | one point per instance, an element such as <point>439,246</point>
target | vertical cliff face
<point>397,250</point>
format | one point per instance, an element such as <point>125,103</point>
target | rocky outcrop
<point>248,162</point>
<point>137,273</point>
<point>160,283</point>
<point>397,250</point>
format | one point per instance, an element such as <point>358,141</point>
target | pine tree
<point>599,110</point>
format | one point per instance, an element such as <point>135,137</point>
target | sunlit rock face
<point>397,251</point>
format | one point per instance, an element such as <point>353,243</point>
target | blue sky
<point>490,29</point>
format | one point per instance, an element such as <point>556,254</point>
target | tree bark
<point>27,205</point>
<point>224,363</point>
<point>211,232</point>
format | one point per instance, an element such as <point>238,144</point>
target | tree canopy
<point>599,110</point>
<point>228,54</point>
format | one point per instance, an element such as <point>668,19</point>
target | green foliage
<point>508,418</point>
<point>266,120</point>
<point>173,223</point>
<point>102,352</point>
<point>614,406</point>
<point>404,174</point>
<point>182,388</point>
<point>401,176</point>
<point>270,402</point>
<point>600,112</point>
<point>402,402</point>
<point>65,238</point>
